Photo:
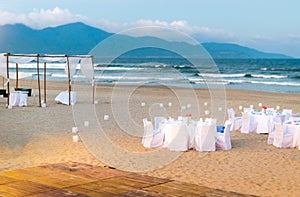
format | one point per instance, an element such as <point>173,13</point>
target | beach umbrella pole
<point>45,83</point>
<point>39,82</point>
<point>7,75</point>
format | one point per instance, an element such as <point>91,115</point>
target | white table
<point>294,128</point>
<point>18,99</point>
<point>63,98</point>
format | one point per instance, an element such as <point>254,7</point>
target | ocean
<point>268,75</point>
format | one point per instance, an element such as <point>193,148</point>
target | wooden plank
<point>29,187</point>
<point>197,189</point>
<point>27,173</point>
<point>9,191</point>
<point>176,191</point>
<point>143,193</point>
<point>58,181</point>
<point>146,178</point>
<point>101,172</point>
<point>60,193</point>
<point>129,182</point>
<point>103,186</point>
<point>83,190</point>
<point>4,180</point>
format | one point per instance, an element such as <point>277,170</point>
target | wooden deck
<point>77,179</point>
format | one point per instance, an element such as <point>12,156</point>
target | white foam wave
<point>276,83</point>
<point>241,75</point>
<point>270,76</point>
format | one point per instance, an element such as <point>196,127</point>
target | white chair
<point>157,121</point>
<point>282,139</point>
<point>270,111</point>
<point>287,114</point>
<point>236,122</point>
<point>248,124</point>
<point>223,140</point>
<point>272,130</point>
<point>151,138</point>
<point>205,137</point>
<point>248,110</point>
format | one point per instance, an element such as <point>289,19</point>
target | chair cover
<point>223,140</point>
<point>205,137</point>
<point>272,130</point>
<point>157,121</point>
<point>248,110</point>
<point>236,122</point>
<point>248,124</point>
<point>282,139</point>
<point>287,114</point>
<point>148,133</point>
<point>151,138</point>
<point>270,111</point>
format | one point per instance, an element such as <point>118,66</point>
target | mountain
<point>225,50</point>
<point>74,38</point>
<point>78,38</point>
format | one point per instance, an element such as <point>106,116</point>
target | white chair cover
<point>248,110</point>
<point>272,130</point>
<point>282,139</point>
<point>287,114</point>
<point>223,140</point>
<point>270,111</point>
<point>157,121</point>
<point>236,122</point>
<point>205,137</point>
<point>151,138</point>
<point>148,133</point>
<point>157,139</point>
<point>248,124</point>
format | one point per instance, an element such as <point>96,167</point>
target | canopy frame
<point>38,56</point>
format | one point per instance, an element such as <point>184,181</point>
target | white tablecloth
<point>264,122</point>
<point>63,98</point>
<point>295,130</point>
<point>181,136</point>
<point>18,99</point>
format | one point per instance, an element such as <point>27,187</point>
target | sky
<point>266,25</point>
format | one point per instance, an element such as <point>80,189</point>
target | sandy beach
<point>32,136</point>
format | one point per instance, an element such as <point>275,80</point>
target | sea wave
<point>216,75</point>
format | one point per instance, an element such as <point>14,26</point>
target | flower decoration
<point>188,118</point>
<point>264,107</point>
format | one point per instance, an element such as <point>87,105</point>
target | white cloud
<point>42,18</point>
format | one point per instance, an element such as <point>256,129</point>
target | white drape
<point>3,65</point>
<point>21,59</point>
<point>87,68</point>
<point>73,61</point>
<point>52,59</point>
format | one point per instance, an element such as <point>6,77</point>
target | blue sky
<point>271,26</point>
